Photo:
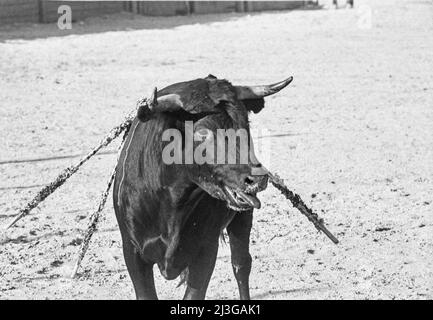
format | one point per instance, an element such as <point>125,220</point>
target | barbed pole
<point>297,202</point>
<point>68,172</point>
<point>94,218</point>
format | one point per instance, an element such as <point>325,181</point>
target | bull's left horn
<point>153,100</point>
<point>256,92</point>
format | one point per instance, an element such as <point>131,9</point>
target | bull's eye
<point>202,134</point>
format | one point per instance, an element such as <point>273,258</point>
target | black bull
<point>173,214</point>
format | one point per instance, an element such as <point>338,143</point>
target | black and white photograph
<point>216,150</point>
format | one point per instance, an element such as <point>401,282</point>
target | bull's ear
<point>254,105</point>
<point>152,105</point>
<point>252,96</point>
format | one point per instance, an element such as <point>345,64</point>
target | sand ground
<point>353,135</point>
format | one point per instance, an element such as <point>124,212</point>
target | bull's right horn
<point>257,92</point>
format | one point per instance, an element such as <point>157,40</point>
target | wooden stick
<point>301,206</point>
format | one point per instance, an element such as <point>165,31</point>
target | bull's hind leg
<point>141,273</point>
<point>200,272</point>
<point>239,236</point>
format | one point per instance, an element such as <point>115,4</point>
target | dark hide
<point>164,216</point>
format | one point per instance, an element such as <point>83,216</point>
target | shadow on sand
<point>124,21</point>
<point>283,293</point>
<point>29,239</point>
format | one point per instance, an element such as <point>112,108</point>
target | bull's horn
<point>167,103</point>
<point>256,92</point>
<point>153,99</point>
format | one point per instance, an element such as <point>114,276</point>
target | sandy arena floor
<point>353,135</point>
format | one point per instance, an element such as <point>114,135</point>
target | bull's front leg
<point>200,272</point>
<point>239,236</point>
<point>141,273</point>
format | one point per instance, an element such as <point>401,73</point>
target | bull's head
<point>214,106</point>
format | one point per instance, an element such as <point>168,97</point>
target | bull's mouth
<point>240,200</point>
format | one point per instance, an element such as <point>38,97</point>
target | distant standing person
<point>348,2</point>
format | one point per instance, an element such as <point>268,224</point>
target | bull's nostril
<point>248,180</point>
